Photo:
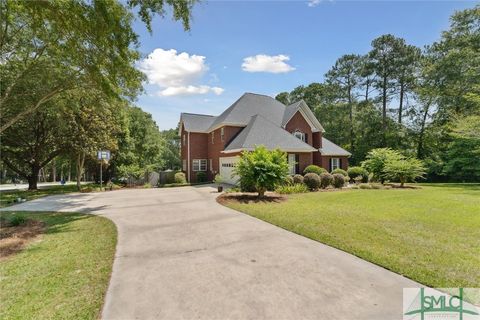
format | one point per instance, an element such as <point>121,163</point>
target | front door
<point>292,163</point>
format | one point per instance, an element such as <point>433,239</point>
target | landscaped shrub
<point>314,169</point>
<point>295,188</point>
<point>340,171</point>
<point>376,185</point>
<point>147,185</point>
<point>298,178</point>
<point>326,179</point>
<point>289,181</point>
<point>201,176</point>
<point>365,186</point>
<point>376,160</point>
<point>16,221</point>
<point>180,177</point>
<point>338,180</point>
<point>264,169</point>
<point>404,170</point>
<point>312,180</point>
<point>354,172</point>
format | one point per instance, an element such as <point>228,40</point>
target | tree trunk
<point>400,107</point>
<point>422,131</point>
<point>352,134</point>
<point>261,193</point>
<point>33,178</point>
<point>384,111</point>
<point>69,170</point>
<point>54,171</point>
<point>80,162</point>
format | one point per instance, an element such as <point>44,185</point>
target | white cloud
<point>190,90</point>
<point>176,73</point>
<point>314,3</point>
<point>265,63</point>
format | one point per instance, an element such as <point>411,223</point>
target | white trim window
<point>334,163</point>
<point>299,134</point>
<point>184,165</point>
<point>199,165</point>
<point>222,133</point>
<point>210,164</point>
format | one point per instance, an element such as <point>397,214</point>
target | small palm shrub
<point>298,178</point>
<point>314,169</point>
<point>340,171</point>
<point>354,172</point>
<point>289,181</point>
<point>180,177</point>
<point>295,188</point>
<point>312,181</point>
<point>338,180</point>
<point>326,179</point>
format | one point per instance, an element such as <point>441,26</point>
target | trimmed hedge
<point>338,180</point>
<point>298,178</point>
<point>340,171</point>
<point>354,172</point>
<point>180,177</point>
<point>326,179</point>
<point>312,180</point>
<point>314,169</point>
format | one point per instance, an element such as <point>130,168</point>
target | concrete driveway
<point>180,255</point>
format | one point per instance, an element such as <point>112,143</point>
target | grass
<point>430,235</point>
<point>8,198</point>
<point>65,275</point>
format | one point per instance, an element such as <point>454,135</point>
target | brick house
<point>212,144</point>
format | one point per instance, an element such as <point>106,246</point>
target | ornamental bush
<point>338,180</point>
<point>289,181</point>
<point>312,181</point>
<point>298,178</point>
<point>340,171</point>
<point>326,179</point>
<point>376,160</point>
<point>295,188</point>
<point>314,169</point>
<point>404,170</point>
<point>201,176</point>
<point>180,177</point>
<point>354,172</point>
<point>263,169</point>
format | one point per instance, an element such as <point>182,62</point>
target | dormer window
<point>300,135</point>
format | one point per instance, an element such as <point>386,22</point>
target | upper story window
<point>222,134</point>
<point>300,135</point>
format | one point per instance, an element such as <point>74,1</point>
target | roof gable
<point>261,131</point>
<point>248,105</point>
<point>302,107</point>
<point>196,122</point>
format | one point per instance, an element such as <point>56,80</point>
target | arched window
<point>299,134</point>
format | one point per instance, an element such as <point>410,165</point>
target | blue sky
<point>298,42</point>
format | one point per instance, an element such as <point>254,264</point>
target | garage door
<point>227,164</point>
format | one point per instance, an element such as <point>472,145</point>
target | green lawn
<point>64,275</point>
<point>430,235</point>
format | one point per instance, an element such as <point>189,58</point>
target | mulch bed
<point>14,238</point>
<point>242,197</point>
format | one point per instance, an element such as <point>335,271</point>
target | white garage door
<point>227,164</point>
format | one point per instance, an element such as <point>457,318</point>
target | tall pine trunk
<point>400,107</point>
<point>422,131</point>
<point>384,111</point>
<point>33,177</point>
<point>352,133</point>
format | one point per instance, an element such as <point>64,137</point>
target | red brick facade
<point>210,145</point>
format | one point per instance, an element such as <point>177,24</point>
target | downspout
<point>188,156</point>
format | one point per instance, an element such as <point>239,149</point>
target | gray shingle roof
<point>290,111</point>
<point>196,122</point>
<point>261,131</point>
<point>331,149</point>
<point>248,105</point>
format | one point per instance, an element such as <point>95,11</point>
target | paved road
<point>41,185</point>
<point>181,255</point>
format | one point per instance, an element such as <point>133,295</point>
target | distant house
<point>212,144</point>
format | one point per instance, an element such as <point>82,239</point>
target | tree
<point>283,97</point>
<point>384,61</point>
<point>404,170</point>
<point>377,159</point>
<point>28,146</point>
<point>171,149</point>
<point>262,169</point>
<point>49,47</point>
<point>344,74</point>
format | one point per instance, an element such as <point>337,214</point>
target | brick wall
<point>326,162</point>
